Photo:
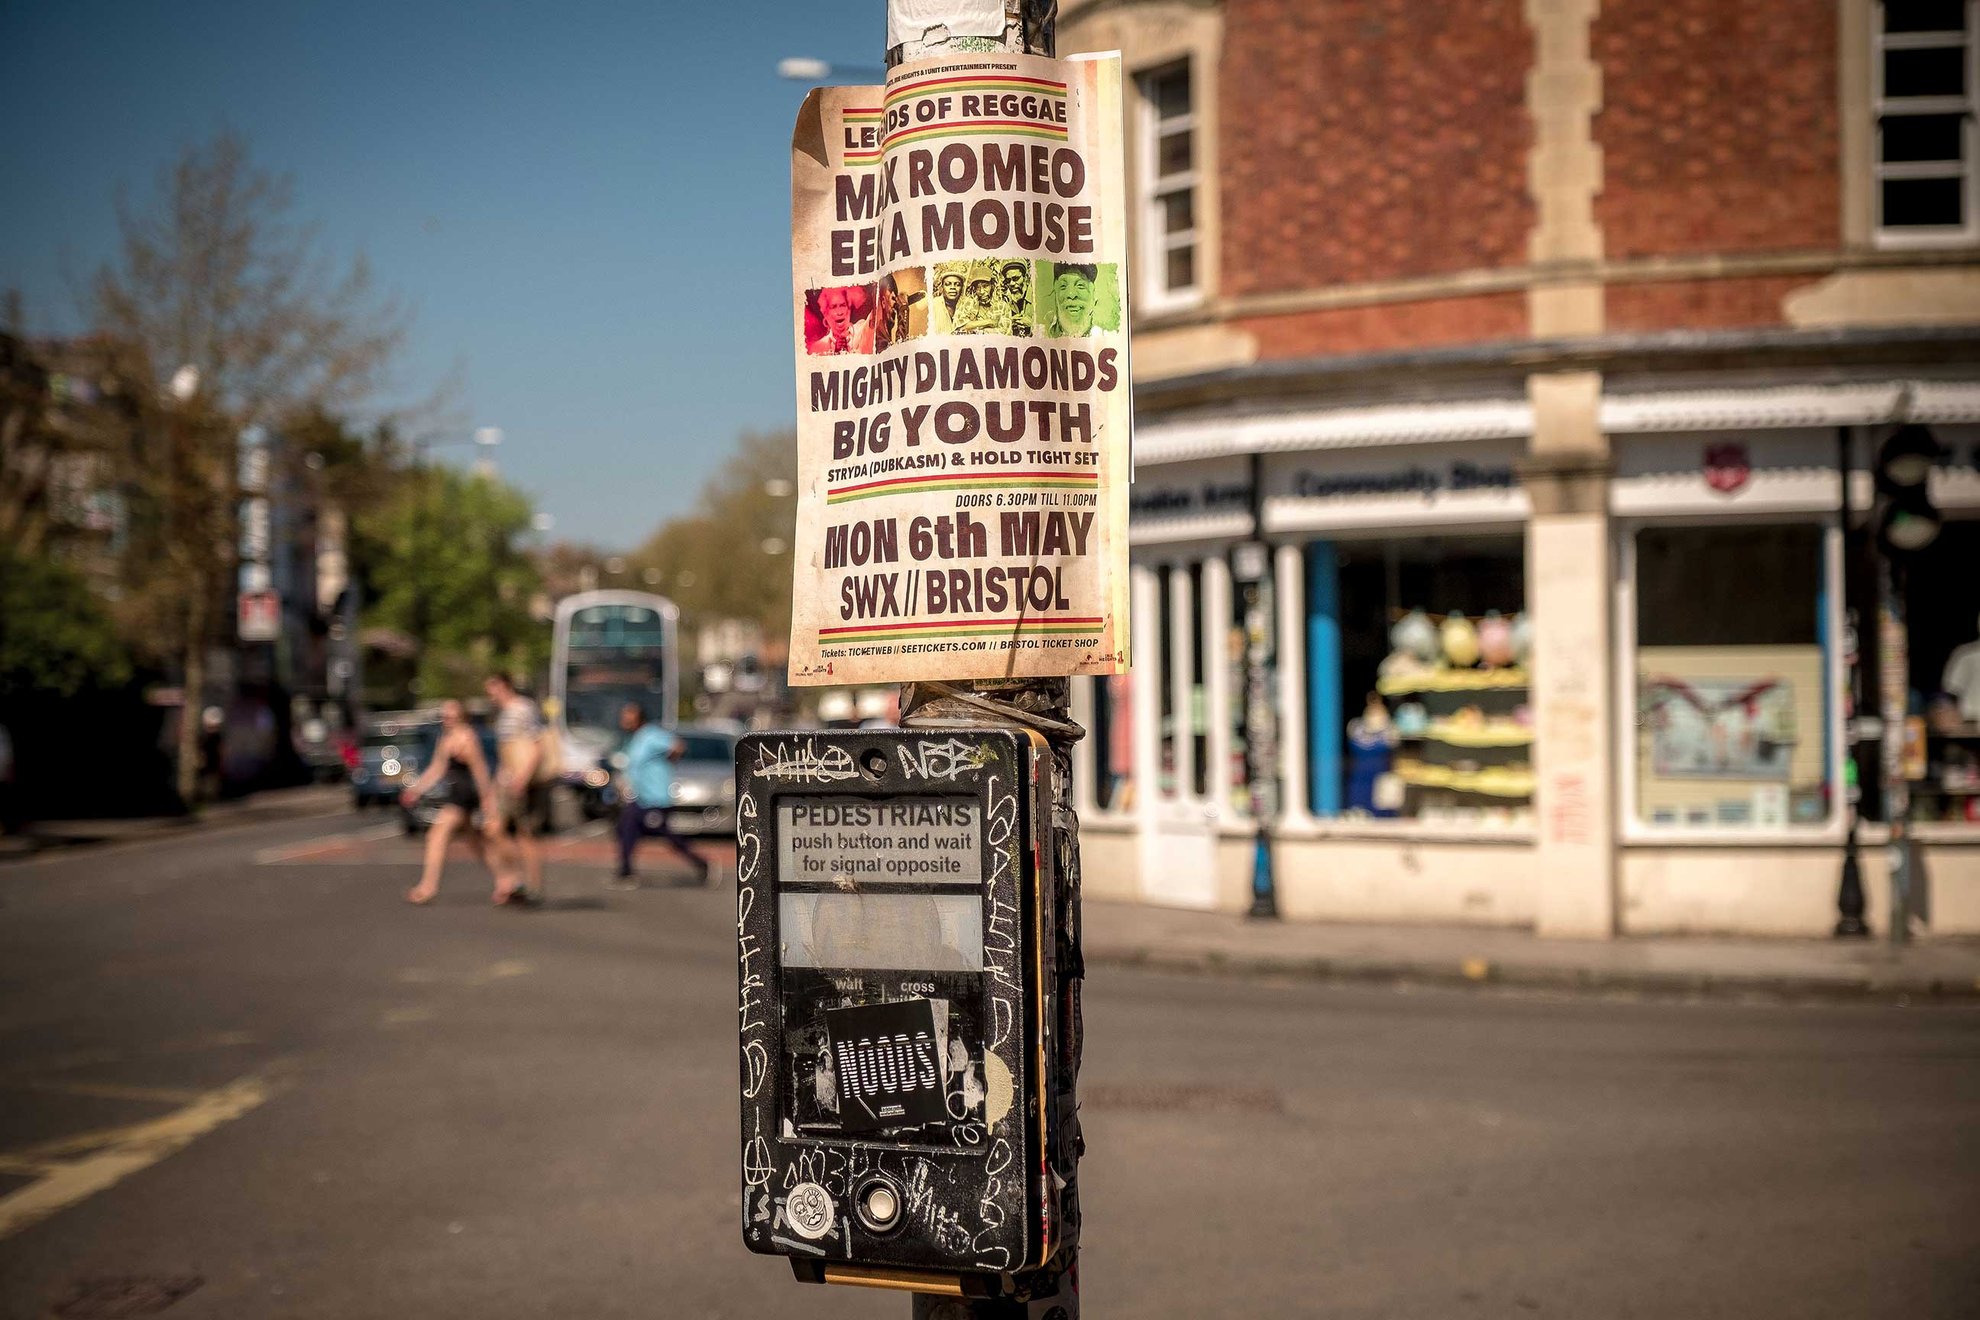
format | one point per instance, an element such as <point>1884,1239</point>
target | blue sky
<point>585,205</point>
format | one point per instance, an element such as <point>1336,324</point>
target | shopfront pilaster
<point>1290,570</point>
<point>1569,593</point>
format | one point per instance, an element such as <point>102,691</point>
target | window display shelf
<point>1492,781</point>
<point>1500,734</point>
<point>1451,680</point>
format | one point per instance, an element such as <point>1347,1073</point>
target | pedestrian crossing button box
<point>895,949</point>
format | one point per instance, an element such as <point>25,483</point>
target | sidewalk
<point>1134,935</point>
<point>275,804</point>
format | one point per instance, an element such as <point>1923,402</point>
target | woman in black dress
<point>458,764</point>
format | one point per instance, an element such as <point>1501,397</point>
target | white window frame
<point>1967,106</point>
<point>1636,830</point>
<point>1152,291</point>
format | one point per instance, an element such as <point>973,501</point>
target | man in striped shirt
<point>522,789</point>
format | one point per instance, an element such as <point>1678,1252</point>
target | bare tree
<point>225,314</point>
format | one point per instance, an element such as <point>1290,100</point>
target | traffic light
<point>899,982</point>
<point>1907,522</point>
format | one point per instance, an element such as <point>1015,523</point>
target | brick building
<point>1545,331</point>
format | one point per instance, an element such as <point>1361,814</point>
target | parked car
<point>320,745</point>
<point>390,754</point>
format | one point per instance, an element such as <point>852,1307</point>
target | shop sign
<point>1396,487</point>
<point>1416,479</point>
<point>1182,501</point>
<point>259,616</point>
<point>1698,473</point>
<point>253,468</point>
<point>1727,466</point>
<point>256,530</point>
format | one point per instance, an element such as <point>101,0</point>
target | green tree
<point>444,558</point>
<point>55,638</point>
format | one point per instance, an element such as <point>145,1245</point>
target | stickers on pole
<point>960,328</point>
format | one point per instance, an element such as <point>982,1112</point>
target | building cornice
<point>1502,366</point>
<point>1318,425</point>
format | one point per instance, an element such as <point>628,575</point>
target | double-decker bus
<point>610,647</point>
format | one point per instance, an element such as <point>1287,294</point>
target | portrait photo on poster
<point>1077,299</point>
<point>838,318</point>
<point>900,311</point>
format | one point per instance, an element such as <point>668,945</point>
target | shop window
<point>1925,101</point>
<point>1110,734</point>
<point>1170,145</point>
<point>1432,645</point>
<point>1732,711</point>
<point>1942,617</point>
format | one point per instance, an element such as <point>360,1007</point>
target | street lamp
<point>1251,566</point>
<point>486,439</point>
<point>1907,522</point>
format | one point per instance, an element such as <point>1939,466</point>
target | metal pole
<point>1044,704</point>
<point>1261,731</point>
<point>1849,896</point>
<point>1893,662</point>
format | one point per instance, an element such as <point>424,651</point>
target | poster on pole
<point>960,329</point>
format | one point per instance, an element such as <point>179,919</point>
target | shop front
<point>1405,735</point>
<point>1413,750</point>
<point>1751,663</point>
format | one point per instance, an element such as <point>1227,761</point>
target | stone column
<point>1569,595</point>
<point>1570,600</point>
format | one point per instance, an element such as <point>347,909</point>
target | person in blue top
<point>648,791</point>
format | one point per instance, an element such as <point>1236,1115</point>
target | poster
<point>960,317</point>
<point>1721,728</point>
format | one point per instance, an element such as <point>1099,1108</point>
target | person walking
<point>649,789</point>
<point>522,787</point>
<point>458,764</point>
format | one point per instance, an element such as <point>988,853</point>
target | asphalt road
<point>238,1059</point>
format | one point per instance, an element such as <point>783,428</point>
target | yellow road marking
<point>117,1153</point>
<point>164,1095</point>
